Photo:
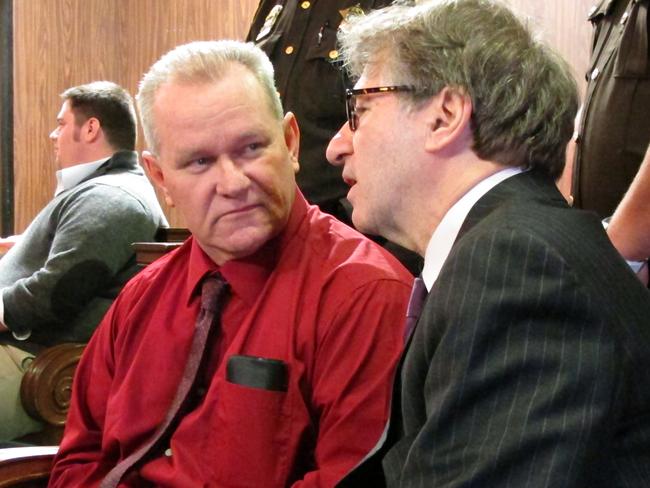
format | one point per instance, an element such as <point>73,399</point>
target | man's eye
<point>252,149</point>
<point>201,161</point>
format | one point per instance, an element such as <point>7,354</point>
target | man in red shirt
<point>314,304</point>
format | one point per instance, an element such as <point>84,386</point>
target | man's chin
<point>362,224</point>
<point>237,245</point>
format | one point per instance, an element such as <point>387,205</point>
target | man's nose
<point>231,179</point>
<point>340,146</point>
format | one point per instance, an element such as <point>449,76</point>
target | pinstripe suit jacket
<point>530,364</point>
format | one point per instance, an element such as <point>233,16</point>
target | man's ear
<point>91,129</point>
<point>292,138</point>
<point>155,172</point>
<point>449,116</point>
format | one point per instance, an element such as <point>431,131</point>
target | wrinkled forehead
<point>224,109</point>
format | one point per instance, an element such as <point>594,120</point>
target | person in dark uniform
<point>613,130</point>
<point>300,39</point>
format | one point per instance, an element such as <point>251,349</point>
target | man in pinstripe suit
<point>530,363</point>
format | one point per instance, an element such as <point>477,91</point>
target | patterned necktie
<point>414,309</point>
<point>213,292</point>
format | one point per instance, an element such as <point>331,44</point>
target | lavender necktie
<point>213,292</point>
<point>414,309</point>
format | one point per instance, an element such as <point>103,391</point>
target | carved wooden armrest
<point>46,387</point>
<point>26,470</point>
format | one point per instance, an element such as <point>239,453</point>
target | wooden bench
<point>26,467</point>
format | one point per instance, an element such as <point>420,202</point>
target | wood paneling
<point>563,24</point>
<point>62,43</point>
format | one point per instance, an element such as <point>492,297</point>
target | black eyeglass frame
<point>352,93</point>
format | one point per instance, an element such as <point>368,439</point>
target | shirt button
<point>305,5</point>
<point>333,54</point>
<point>289,50</point>
<point>595,73</point>
<point>624,18</point>
<point>168,452</point>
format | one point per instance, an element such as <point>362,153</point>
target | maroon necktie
<point>414,309</point>
<point>213,292</point>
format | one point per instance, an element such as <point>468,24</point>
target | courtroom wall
<point>60,43</point>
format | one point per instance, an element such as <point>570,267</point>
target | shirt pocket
<point>631,60</point>
<point>251,431</point>
<point>326,98</point>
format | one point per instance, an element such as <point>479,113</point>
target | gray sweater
<point>72,260</point>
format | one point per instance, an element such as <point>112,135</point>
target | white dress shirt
<point>445,234</point>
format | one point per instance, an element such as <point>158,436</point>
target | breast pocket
<point>632,57</point>
<point>327,99</point>
<point>252,425</point>
<point>632,71</point>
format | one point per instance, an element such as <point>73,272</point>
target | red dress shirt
<point>320,297</point>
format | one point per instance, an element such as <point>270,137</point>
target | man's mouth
<point>349,181</point>
<point>240,210</point>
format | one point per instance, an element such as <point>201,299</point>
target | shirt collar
<point>70,177</point>
<point>445,234</point>
<point>247,276</point>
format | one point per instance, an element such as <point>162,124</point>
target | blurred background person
<point>66,269</point>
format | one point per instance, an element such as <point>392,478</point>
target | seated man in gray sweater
<point>63,273</point>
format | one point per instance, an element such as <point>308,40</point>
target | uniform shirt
<point>320,297</point>
<point>613,132</point>
<point>299,36</point>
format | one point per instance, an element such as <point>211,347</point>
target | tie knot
<point>212,291</point>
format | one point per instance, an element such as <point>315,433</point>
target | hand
<point>7,243</point>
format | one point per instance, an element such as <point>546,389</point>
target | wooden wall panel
<point>61,43</point>
<point>563,24</point>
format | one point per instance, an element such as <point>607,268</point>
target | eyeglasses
<point>351,100</point>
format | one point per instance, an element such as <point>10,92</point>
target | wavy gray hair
<point>524,97</point>
<point>202,62</point>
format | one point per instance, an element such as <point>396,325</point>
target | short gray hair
<point>202,62</point>
<point>523,95</point>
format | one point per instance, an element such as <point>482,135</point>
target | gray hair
<point>524,97</point>
<point>109,103</point>
<point>202,62</point>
